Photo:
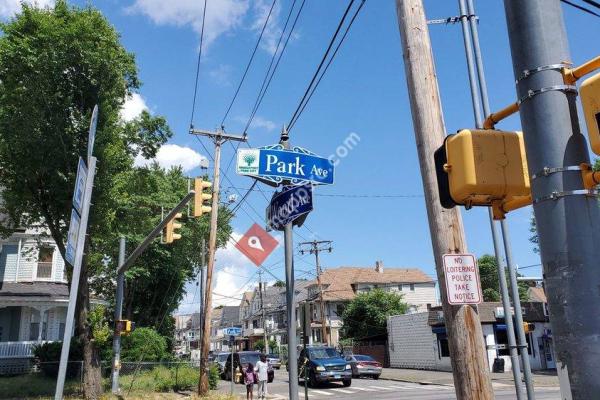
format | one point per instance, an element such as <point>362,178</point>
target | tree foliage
<point>490,283</point>
<point>144,344</point>
<point>366,315</point>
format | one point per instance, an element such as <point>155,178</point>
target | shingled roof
<point>339,281</point>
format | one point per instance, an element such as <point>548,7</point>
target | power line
<point>248,64</point>
<point>198,65</point>
<point>349,195</point>
<point>584,9</point>
<point>592,3</point>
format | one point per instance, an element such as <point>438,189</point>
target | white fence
<point>17,349</point>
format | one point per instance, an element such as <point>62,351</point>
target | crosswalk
<point>334,392</point>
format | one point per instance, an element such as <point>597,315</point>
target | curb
<point>424,383</point>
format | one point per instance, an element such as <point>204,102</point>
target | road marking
<point>343,390</point>
<point>403,387</point>
<point>381,387</point>
<point>363,389</point>
<point>321,392</point>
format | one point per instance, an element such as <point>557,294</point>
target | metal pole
<point>512,343</point>
<point>305,330</point>
<point>85,212</point>
<point>290,305</point>
<point>522,342</point>
<point>567,222</point>
<point>202,284</point>
<point>116,367</point>
<point>231,341</point>
<point>262,309</point>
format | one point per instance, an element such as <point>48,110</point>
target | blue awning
<point>500,327</point>
<point>438,329</point>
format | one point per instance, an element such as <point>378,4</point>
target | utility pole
<point>289,295</point>
<point>467,9</point>
<point>469,37</point>
<point>118,315</point>
<point>566,215</point>
<point>262,310</point>
<point>218,137</point>
<point>465,337</point>
<point>315,248</point>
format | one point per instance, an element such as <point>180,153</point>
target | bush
<point>213,377</point>
<point>48,355</point>
<point>144,344</point>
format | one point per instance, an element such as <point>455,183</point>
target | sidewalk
<point>423,377</point>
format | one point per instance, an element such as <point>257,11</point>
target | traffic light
<point>483,168</point>
<point>200,197</point>
<point>124,326</point>
<point>528,327</point>
<point>590,101</point>
<point>169,234</point>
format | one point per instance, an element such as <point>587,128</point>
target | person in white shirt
<point>262,367</point>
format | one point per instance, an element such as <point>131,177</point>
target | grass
<point>35,385</point>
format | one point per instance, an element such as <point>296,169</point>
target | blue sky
<point>364,92</point>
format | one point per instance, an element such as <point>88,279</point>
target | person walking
<point>262,367</point>
<point>249,380</point>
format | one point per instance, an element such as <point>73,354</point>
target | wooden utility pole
<point>315,248</point>
<point>219,137</point>
<point>465,337</point>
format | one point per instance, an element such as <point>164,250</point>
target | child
<point>249,380</point>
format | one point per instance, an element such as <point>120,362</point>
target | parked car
<point>219,360</point>
<point>240,362</point>
<point>324,364</point>
<point>363,365</point>
<point>274,360</point>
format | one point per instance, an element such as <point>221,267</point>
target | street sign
<point>273,164</point>
<point>92,132</point>
<point>79,185</point>
<point>256,244</point>
<point>289,205</point>
<point>232,331</point>
<point>72,237</point>
<point>462,279</point>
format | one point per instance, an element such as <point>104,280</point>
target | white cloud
<point>258,122</point>
<point>134,105</point>
<point>170,155</point>
<point>221,75</point>
<point>8,8</point>
<point>272,30</point>
<point>221,16</point>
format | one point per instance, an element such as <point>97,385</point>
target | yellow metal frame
<point>591,178</point>
<point>496,117</point>
<point>571,75</point>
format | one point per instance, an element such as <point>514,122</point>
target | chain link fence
<point>30,378</point>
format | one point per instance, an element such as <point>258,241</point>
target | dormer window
<point>44,264</point>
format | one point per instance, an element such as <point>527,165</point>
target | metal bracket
<point>547,171</point>
<point>558,195</point>
<point>561,88</point>
<point>528,72</point>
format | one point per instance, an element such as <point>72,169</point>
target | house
<point>341,285</point>
<point>420,340</point>
<point>34,296</point>
<point>223,317</point>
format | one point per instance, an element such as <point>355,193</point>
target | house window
<point>61,331</point>
<point>339,309</point>
<point>443,349</point>
<point>412,287</point>
<point>255,323</point>
<point>34,331</point>
<point>400,287</point>
<point>44,265</point>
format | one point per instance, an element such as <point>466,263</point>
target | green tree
<point>490,284</point>
<point>279,284</point>
<point>366,315</point>
<point>259,345</point>
<point>55,65</point>
<point>144,343</point>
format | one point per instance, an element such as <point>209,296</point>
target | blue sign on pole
<point>233,331</point>
<point>274,164</point>
<point>289,205</point>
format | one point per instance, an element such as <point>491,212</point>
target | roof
<point>37,291</point>
<point>340,280</point>
<point>537,294</point>
<point>230,315</point>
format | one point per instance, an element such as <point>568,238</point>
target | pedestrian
<point>249,380</point>
<point>262,367</point>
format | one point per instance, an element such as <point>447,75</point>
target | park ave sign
<point>462,279</point>
<point>273,164</point>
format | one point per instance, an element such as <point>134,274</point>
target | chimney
<point>379,266</point>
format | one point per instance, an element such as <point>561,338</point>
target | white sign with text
<point>462,279</point>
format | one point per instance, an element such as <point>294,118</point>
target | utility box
<point>478,167</point>
<point>590,100</point>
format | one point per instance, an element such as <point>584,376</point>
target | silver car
<point>274,360</point>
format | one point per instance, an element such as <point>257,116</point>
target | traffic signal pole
<point>567,215</point>
<point>218,137</point>
<point>118,315</point>
<point>477,101</point>
<point>465,337</point>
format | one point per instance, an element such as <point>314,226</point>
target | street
<point>380,389</point>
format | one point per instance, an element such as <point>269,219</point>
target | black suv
<point>240,362</point>
<point>324,364</point>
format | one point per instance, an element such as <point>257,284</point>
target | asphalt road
<point>369,389</point>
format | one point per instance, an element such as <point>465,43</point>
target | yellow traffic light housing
<point>528,327</point>
<point>483,168</point>
<point>590,101</point>
<point>169,233</point>
<point>124,326</point>
<point>200,197</point>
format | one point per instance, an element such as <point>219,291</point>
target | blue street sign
<point>72,237</point>
<point>79,186</point>
<point>92,131</point>
<point>273,165</point>
<point>289,205</point>
<point>233,331</point>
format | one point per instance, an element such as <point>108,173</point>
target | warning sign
<point>462,279</point>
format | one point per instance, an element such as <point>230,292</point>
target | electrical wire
<point>592,3</point>
<point>198,65</point>
<point>237,91</point>
<point>349,195</point>
<point>584,9</point>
